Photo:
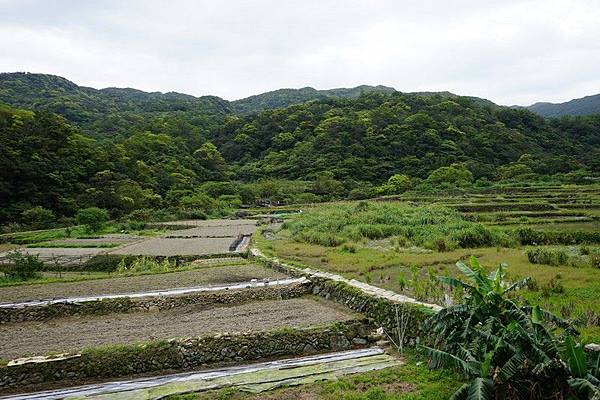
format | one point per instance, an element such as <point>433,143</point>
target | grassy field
<point>404,243</point>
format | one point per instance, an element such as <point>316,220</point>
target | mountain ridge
<point>34,90</point>
<point>582,106</point>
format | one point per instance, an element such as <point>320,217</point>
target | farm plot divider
<point>156,303</point>
<point>401,321</point>
<point>186,354</point>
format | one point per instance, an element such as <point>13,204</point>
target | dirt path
<point>202,276</point>
<point>71,334</point>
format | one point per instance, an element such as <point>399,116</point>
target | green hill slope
<point>584,106</point>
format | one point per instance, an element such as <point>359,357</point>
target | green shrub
<point>144,264</point>
<point>554,286</point>
<point>540,255</point>
<point>475,235</point>
<point>38,217</point>
<point>22,266</point>
<point>402,282</point>
<point>529,236</point>
<point>348,248</point>
<point>93,218</point>
<point>106,262</point>
<point>321,238</point>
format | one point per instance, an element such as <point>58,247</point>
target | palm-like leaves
<point>500,344</point>
<point>586,375</point>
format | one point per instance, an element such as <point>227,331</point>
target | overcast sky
<point>511,52</point>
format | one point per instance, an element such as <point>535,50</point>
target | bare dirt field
<point>59,255</point>
<point>203,276</point>
<point>214,228</point>
<point>201,238</point>
<point>211,222</point>
<point>71,334</point>
<point>95,241</point>
<point>177,247</point>
<point>214,231</point>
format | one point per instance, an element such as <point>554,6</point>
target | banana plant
<point>585,372</point>
<point>508,350</point>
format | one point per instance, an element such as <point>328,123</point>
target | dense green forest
<point>65,147</point>
<point>286,97</point>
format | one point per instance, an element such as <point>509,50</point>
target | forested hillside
<point>286,97</point>
<point>126,150</point>
<point>377,135</point>
<point>113,111</point>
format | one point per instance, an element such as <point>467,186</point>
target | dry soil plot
<point>71,334</point>
<point>203,276</point>
<point>202,238</point>
<point>214,231</point>
<point>214,228</point>
<point>211,222</point>
<point>95,241</point>
<point>177,247</point>
<point>64,256</point>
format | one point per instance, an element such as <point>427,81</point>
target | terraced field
<point>177,247</point>
<point>204,275</point>
<point>77,333</point>
<point>189,238</point>
<point>561,221</point>
<point>128,300</point>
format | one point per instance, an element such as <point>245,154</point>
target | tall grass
<point>431,227</point>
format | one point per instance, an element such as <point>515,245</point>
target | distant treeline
<point>124,150</point>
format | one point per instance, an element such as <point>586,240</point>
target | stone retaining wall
<point>187,354</point>
<point>388,310</point>
<point>126,304</point>
<point>110,262</point>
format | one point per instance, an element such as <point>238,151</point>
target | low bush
<point>106,262</point>
<point>554,286</point>
<point>150,215</point>
<point>320,238</point>
<point>540,255</point>
<point>529,236</point>
<point>38,218</point>
<point>22,266</point>
<point>93,218</point>
<point>144,264</point>
<point>569,256</point>
<point>348,248</point>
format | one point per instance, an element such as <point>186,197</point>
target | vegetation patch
<point>570,256</point>
<point>429,227</point>
<point>508,349</point>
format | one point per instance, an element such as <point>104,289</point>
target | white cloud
<point>512,52</point>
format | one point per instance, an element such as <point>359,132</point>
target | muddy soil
<point>203,276</point>
<point>71,334</point>
<point>177,247</point>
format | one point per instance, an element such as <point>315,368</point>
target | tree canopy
<point>65,147</point>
